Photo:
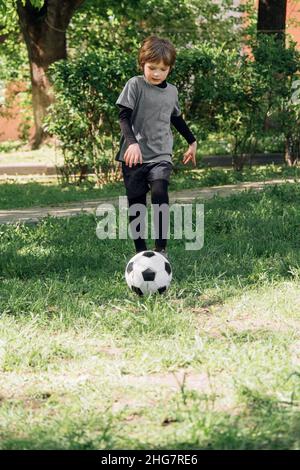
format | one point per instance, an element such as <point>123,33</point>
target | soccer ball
<point>148,272</point>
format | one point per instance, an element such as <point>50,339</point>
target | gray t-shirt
<point>152,108</point>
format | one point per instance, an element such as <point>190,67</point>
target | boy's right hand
<point>133,155</point>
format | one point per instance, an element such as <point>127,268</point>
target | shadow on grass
<point>265,424</point>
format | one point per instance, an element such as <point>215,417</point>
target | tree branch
<point>56,13</point>
<point>32,13</point>
<point>60,12</point>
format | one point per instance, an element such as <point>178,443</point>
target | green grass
<point>213,364</point>
<point>216,144</point>
<point>10,146</point>
<point>15,195</point>
<point>219,144</point>
<point>23,195</point>
<point>12,152</point>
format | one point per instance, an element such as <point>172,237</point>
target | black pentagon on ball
<point>168,267</point>
<point>162,289</point>
<point>137,290</point>
<point>149,254</point>
<point>148,275</point>
<point>130,267</point>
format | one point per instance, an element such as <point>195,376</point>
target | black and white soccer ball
<point>148,272</point>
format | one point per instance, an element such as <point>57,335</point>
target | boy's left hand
<point>190,154</point>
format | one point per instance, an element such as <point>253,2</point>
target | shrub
<point>245,96</point>
<point>84,116</point>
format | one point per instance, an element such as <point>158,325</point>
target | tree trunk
<point>272,18</point>
<point>44,32</point>
<point>238,161</point>
<point>292,150</point>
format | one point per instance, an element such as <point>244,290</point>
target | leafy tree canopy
<point>102,24</point>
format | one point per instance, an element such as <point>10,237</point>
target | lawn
<point>212,364</point>
<point>15,195</point>
<point>14,152</point>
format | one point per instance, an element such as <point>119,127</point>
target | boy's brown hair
<point>155,49</point>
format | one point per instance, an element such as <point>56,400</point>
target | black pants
<point>159,195</point>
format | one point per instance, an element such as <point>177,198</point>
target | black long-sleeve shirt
<point>177,121</point>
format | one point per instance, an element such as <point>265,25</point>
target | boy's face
<point>156,73</point>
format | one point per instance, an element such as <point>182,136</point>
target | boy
<point>148,104</point>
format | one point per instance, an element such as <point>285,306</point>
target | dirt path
<point>34,214</point>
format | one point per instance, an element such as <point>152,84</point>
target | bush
<point>243,96</point>
<point>84,116</point>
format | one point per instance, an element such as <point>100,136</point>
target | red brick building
<point>293,20</point>
<point>11,118</point>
